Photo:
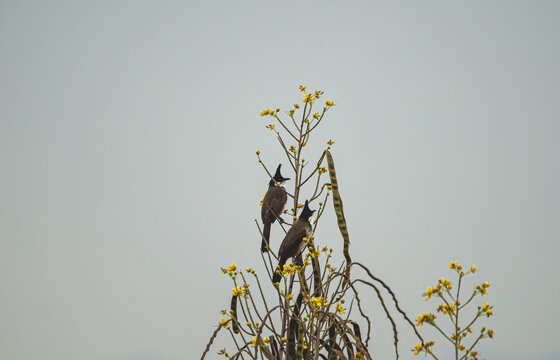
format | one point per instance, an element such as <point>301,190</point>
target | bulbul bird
<point>293,242</point>
<point>274,203</point>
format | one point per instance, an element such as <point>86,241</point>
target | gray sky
<point>128,175</point>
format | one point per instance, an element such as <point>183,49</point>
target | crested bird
<point>293,243</point>
<point>273,205</point>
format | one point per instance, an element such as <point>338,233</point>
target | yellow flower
<point>329,103</point>
<point>224,322</point>
<point>489,312</point>
<point>486,306</point>
<point>266,112</point>
<point>316,115</point>
<point>318,301</point>
<point>491,333</point>
<point>290,297</point>
<point>417,348</point>
<point>302,87</point>
<point>296,106</point>
<point>284,339</point>
<point>429,318</point>
<point>237,291</point>
<point>308,98</point>
<point>340,309</point>
<point>254,342</point>
<point>486,285</point>
<point>248,323</point>
<point>473,268</point>
<point>266,340</point>
<point>428,293</point>
<point>330,142</point>
<point>249,270</point>
<point>232,267</point>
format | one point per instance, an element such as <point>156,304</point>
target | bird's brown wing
<point>273,204</point>
<point>294,240</point>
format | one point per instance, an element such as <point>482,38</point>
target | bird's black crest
<point>278,177</point>
<point>307,212</point>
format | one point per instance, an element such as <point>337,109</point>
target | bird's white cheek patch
<point>311,220</point>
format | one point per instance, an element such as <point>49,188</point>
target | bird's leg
<point>298,260</point>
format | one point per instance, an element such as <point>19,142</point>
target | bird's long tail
<point>266,235</point>
<point>276,277</point>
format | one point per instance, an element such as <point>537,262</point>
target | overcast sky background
<point>128,132</point>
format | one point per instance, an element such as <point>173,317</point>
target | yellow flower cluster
<point>322,170</point>
<point>308,98</point>
<point>339,309</point>
<point>237,291</point>
<point>448,309</point>
<point>430,291</point>
<point>225,322</point>
<point>290,269</point>
<point>419,348</point>
<point>329,102</point>
<point>482,288</point>
<point>316,115</point>
<point>437,289</point>
<point>230,270</point>
<point>302,87</point>
<point>312,252</point>
<point>330,142</point>
<point>268,112</point>
<point>455,266</point>
<point>491,333</point>
<point>318,301</point>
<point>270,126</point>
<point>422,318</point>
<point>446,283</point>
<point>487,309</point>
